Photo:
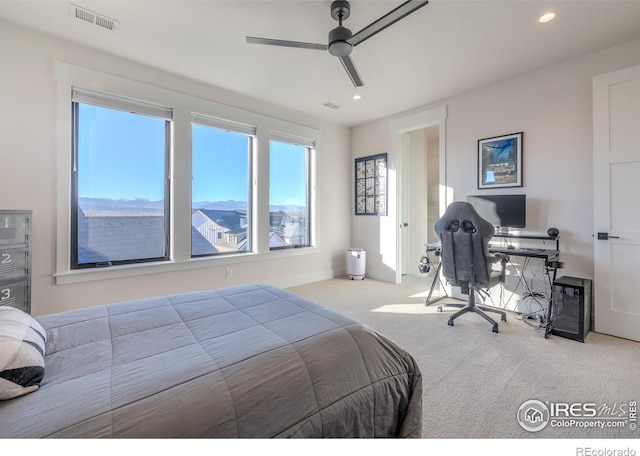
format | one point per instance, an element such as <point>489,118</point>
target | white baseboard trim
<point>294,281</point>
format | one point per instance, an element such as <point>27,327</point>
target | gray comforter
<point>246,361</point>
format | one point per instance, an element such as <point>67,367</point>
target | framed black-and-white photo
<point>500,161</point>
<point>371,185</point>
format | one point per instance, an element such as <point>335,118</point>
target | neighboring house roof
<point>226,219</point>
<point>87,255</point>
<point>116,238</point>
<point>199,244</point>
<point>127,237</point>
<point>275,240</point>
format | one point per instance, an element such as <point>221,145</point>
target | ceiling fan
<point>341,40</point>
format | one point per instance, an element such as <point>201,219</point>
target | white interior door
<point>616,175</point>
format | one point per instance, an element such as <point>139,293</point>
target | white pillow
<point>22,350</point>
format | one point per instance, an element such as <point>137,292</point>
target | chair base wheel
<point>450,322</point>
<point>495,329</point>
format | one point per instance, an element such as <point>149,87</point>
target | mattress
<point>250,361</point>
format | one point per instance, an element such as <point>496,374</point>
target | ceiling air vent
<point>86,15</point>
<point>329,104</point>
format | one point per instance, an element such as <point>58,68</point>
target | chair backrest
<point>464,237</point>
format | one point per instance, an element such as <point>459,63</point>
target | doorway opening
<point>420,189</point>
<point>422,195</point>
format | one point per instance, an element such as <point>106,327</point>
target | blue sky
<point>220,165</point>
<point>121,156</point>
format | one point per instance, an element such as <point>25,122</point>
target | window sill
<point>128,270</point>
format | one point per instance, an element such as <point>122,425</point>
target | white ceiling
<point>444,48</point>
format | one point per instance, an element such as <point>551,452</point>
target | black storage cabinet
<point>571,307</point>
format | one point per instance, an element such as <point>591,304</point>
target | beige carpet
<point>474,380</point>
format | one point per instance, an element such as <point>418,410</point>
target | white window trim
<point>311,145</point>
<point>68,76</point>
<point>251,132</point>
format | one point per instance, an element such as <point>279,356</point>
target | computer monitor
<point>503,211</point>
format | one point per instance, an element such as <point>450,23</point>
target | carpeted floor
<point>474,380</point>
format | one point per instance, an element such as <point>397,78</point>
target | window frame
<point>310,146</point>
<point>67,75</point>
<point>102,100</point>
<point>251,133</point>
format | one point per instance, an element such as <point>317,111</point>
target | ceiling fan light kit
<point>341,41</point>
<point>338,44</point>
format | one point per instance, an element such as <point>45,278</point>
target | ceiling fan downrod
<point>338,44</point>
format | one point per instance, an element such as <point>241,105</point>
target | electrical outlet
<point>229,273</point>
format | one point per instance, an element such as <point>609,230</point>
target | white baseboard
<point>294,281</point>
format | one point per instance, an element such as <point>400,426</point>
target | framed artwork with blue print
<point>500,161</point>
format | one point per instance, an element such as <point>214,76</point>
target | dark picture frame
<point>500,161</point>
<point>371,185</point>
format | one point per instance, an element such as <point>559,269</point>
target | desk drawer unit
<point>15,259</point>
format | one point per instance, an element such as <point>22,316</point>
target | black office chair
<point>466,261</point>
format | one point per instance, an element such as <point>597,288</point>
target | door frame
<point>404,185</point>
<point>436,116</point>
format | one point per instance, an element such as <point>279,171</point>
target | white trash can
<point>356,263</point>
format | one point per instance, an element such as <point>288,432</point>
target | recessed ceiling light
<point>547,17</point>
<point>356,97</point>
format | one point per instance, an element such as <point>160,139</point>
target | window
<point>119,181</point>
<point>137,162</point>
<point>289,192</point>
<point>221,153</point>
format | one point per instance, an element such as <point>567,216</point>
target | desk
<point>435,248</point>
<point>531,253</point>
<point>550,257</point>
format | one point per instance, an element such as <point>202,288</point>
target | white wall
<point>28,178</point>
<point>376,234</point>
<point>553,107</point>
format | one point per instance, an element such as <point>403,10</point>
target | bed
<point>250,361</point>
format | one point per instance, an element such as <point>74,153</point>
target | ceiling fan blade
<point>295,44</point>
<point>348,65</point>
<point>385,21</point>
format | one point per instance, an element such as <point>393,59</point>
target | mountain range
<point>141,206</point>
